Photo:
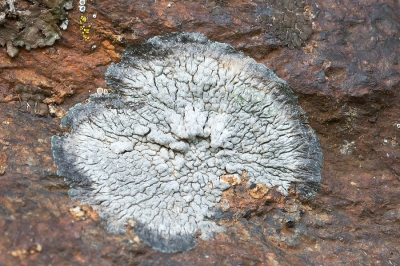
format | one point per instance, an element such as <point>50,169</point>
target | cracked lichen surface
<point>184,112</point>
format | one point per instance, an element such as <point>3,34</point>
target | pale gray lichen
<point>184,112</point>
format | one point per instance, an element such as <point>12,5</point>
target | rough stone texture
<point>347,79</point>
<point>185,112</point>
<point>31,100</point>
<point>288,20</point>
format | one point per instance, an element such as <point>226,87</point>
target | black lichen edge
<point>179,243</point>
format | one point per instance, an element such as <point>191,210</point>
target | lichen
<point>287,21</point>
<point>31,24</point>
<point>184,113</point>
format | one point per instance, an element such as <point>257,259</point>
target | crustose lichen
<point>185,112</point>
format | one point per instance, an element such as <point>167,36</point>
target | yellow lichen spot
<point>84,28</point>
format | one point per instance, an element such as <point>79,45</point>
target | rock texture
<point>347,79</point>
<point>288,20</point>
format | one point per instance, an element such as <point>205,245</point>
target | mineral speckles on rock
<point>186,113</point>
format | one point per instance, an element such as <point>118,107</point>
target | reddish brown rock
<point>258,191</point>
<point>347,78</point>
<point>3,159</point>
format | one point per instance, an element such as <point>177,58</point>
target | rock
<point>3,163</point>
<point>258,191</point>
<point>350,62</point>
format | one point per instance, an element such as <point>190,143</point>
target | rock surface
<point>346,76</point>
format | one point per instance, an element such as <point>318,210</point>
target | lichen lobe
<point>185,112</point>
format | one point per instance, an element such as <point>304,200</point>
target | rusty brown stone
<point>80,213</point>
<point>3,163</point>
<point>259,191</point>
<point>57,111</point>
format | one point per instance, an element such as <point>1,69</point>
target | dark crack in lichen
<point>31,24</point>
<point>286,20</point>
